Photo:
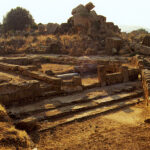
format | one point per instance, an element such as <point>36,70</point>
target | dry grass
<point>123,130</point>
<point>11,138</point>
<point>40,41</point>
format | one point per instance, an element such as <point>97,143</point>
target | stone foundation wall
<point>73,85</point>
<point>114,78</point>
<point>55,82</point>
<point>13,93</point>
<point>124,75</point>
<point>113,43</point>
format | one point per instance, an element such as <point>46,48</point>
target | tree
<point>17,19</point>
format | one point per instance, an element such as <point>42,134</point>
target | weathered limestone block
<point>80,10</point>
<point>112,68</point>
<point>71,89</point>
<point>146,41</point>
<point>8,67</point>
<point>12,92</point>
<point>110,25</point>
<point>82,23</point>
<point>77,81</point>
<point>89,6</point>
<point>114,78</point>
<point>146,86</point>
<point>102,19</point>
<point>113,42</point>
<point>125,74</point>
<point>73,85</point>
<point>145,50</point>
<point>55,82</point>
<point>84,20</point>
<point>101,75</point>
<point>94,15</point>
<point>133,74</point>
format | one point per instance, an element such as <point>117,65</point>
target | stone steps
<point>56,102</point>
<point>87,114</point>
<point>81,110</point>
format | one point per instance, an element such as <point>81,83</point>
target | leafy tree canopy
<point>17,19</point>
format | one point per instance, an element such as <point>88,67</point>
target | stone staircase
<point>51,112</point>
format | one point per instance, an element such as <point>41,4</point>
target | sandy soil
<point>57,68</point>
<point>90,80</point>
<point>123,130</point>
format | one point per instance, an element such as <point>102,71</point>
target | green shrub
<point>17,19</point>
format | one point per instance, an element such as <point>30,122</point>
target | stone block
<point>101,75</point>
<point>125,74</point>
<point>114,78</point>
<point>113,43</point>
<point>89,6</point>
<point>133,74</point>
<point>77,81</point>
<point>146,41</point>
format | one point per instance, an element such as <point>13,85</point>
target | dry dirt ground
<point>122,130</point>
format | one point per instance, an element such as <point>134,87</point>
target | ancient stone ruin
<point>75,71</point>
<point>85,20</point>
<point>35,96</point>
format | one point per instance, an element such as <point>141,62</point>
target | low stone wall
<point>113,42</point>
<point>73,85</point>
<point>13,93</point>
<point>114,78</point>
<point>146,84</point>
<point>124,75</point>
<point>55,82</point>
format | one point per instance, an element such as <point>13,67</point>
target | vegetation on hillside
<point>17,19</point>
